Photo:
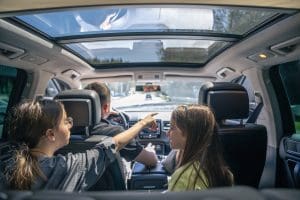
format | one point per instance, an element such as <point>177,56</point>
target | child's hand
<point>150,148</point>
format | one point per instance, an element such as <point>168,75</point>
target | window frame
<point>58,85</point>
<point>15,95</point>
<point>290,81</point>
<point>286,115</point>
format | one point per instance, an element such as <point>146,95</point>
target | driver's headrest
<point>227,100</point>
<point>82,105</point>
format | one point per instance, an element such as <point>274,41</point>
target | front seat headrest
<point>82,105</point>
<point>227,100</point>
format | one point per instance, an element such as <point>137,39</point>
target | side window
<point>51,89</point>
<point>54,87</point>
<point>290,75</point>
<point>7,79</point>
<point>63,85</point>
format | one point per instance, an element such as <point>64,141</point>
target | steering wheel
<point>119,118</point>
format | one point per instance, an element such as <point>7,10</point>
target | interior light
<point>262,55</point>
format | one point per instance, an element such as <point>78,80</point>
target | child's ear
<point>50,135</point>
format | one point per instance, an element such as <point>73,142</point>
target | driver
<point>133,150</point>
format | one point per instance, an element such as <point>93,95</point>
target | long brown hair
<point>26,124</point>
<point>202,149</point>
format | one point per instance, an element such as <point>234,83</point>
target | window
<point>134,97</point>
<point>51,89</point>
<point>7,79</point>
<point>112,36</point>
<point>54,87</point>
<point>290,73</point>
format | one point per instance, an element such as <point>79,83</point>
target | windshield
<point>125,97</point>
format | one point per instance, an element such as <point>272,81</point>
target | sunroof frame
<point>233,38</point>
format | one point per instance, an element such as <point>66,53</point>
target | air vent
<point>10,51</point>
<point>166,126</point>
<point>287,47</point>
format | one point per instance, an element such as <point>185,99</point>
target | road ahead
<point>136,99</point>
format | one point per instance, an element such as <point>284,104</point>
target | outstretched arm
<point>125,137</point>
<point>147,156</point>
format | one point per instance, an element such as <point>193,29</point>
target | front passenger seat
<point>84,107</point>
<point>244,144</point>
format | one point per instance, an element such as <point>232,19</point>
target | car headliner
<point>62,63</point>
<point>16,5</point>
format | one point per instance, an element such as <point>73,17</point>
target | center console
<point>150,178</point>
<point>145,178</point>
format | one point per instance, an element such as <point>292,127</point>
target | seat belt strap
<point>255,113</point>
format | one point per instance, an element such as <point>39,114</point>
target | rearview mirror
<point>147,88</point>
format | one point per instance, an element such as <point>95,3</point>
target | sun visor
<point>176,77</point>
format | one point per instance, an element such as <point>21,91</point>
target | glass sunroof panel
<point>147,51</point>
<point>152,18</point>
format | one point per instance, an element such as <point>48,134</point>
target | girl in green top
<point>200,163</point>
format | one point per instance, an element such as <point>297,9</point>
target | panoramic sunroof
<point>147,51</point>
<point>148,34</point>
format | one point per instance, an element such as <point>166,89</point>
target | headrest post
<point>87,131</point>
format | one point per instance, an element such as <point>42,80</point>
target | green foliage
<point>96,61</point>
<point>297,126</point>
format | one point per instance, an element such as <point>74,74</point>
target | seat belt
<point>252,119</point>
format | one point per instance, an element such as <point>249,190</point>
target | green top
<point>183,179</point>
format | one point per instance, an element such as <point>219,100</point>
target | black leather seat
<point>85,109</point>
<point>244,144</point>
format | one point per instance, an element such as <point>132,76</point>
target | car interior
<point>240,58</point>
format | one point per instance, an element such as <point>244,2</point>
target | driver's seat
<point>84,107</point>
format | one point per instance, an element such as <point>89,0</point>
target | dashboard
<point>148,133</point>
<point>157,137</point>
